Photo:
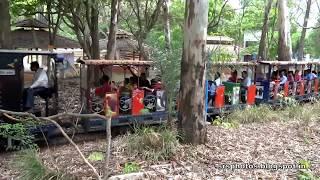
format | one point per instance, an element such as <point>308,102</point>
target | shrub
<point>18,135</point>
<point>261,113</point>
<point>152,143</point>
<point>130,168</point>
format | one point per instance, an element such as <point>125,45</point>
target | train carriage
<point>134,106</point>
<point>264,89</point>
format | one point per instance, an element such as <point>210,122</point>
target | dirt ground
<point>274,143</point>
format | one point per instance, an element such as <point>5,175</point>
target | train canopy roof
<point>288,62</point>
<point>24,52</point>
<point>104,62</point>
<point>233,64</point>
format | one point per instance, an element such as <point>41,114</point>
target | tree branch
<point>50,119</point>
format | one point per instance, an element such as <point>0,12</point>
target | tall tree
<point>284,46</point>
<point>113,28</point>
<point>265,28</point>
<point>166,13</point>
<point>5,31</point>
<point>304,30</point>
<point>192,123</point>
<point>141,17</point>
<point>82,16</point>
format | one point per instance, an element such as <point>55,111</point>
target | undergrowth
<point>31,167</point>
<point>152,143</point>
<point>260,114</point>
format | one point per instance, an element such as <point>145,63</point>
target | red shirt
<point>103,89</point>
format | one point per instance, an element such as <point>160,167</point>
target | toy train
<point>142,105</point>
<point>266,87</point>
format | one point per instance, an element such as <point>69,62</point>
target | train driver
<point>39,85</point>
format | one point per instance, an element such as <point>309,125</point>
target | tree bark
<point>166,12</point>
<point>284,46</point>
<point>94,31</point>
<point>263,41</point>
<point>113,28</point>
<point>5,27</point>
<point>192,125</point>
<point>304,30</point>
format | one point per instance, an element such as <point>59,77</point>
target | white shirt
<point>246,82</point>
<point>40,79</point>
<point>283,79</point>
<point>218,81</point>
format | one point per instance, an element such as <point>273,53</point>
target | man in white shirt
<point>283,78</point>
<point>246,82</point>
<point>39,84</point>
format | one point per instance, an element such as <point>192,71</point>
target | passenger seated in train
<point>143,81</point>
<point>127,87</point>
<point>39,85</point>
<point>211,91</point>
<point>234,77</point>
<point>212,87</point>
<point>246,80</point>
<point>310,75</point>
<point>106,87</point>
<point>217,79</point>
<point>297,76</point>
<point>290,76</point>
<point>245,83</point>
<point>283,78</point>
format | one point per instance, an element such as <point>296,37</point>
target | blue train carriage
<point>234,86</point>
<point>280,79</point>
<point>128,100</point>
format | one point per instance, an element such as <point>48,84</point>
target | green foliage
<point>221,55</point>
<point>18,134</point>
<point>152,143</point>
<point>32,168</point>
<point>96,156</point>
<point>307,175</point>
<point>131,167</point>
<point>224,123</point>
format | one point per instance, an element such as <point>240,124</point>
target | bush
<point>152,143</point>
<point>18,135</point>
<point>261,113</point>
<point>131,168</point>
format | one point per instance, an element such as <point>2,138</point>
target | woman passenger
<point>234,76</point>
<point>297,76</point>
<point>290,76</point>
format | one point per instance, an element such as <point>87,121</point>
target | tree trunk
<point>263,41</point>
<point>284,46</point>
<point>192,125</point>
<point>94,32</point>
<point>5,28</point>
<point>113,28</point>
<point>304,30</point>
<point>166,10</point>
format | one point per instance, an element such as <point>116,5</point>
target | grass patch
<point>32,168</point>
<point>131,168</point>
<point>305,113</point>
<point>261,113</point>
<point>96,156</point>
<point>151,143</point>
